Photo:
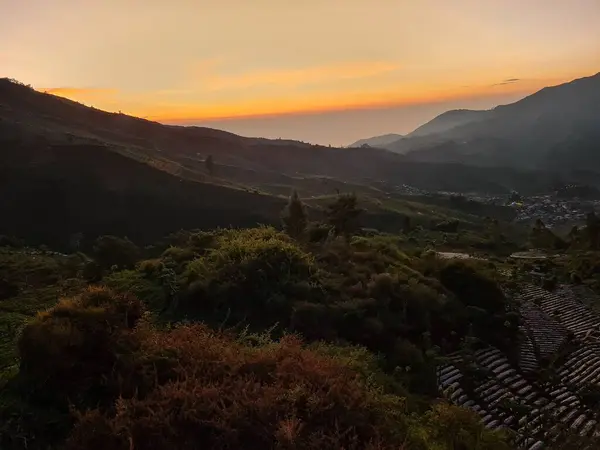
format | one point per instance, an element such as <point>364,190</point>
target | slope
<point>50,193</point>
<point>447,121</point>
<point>556,128</point>
<point>34,118</point>
<point>377,141</point>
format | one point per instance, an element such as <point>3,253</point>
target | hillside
<point>28,117</point>
<point>557,128</point>
<point>447,121</point>
<point>79,170</point>
<point>377,141</point>
<point>90,189</point>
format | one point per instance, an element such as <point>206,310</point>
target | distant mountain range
<point>447,121</point>
<point>557,128</point>
<point>377,141</point>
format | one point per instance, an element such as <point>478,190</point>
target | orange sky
<point>264,64</point>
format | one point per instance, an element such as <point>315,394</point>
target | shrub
<point>69,351</point>
<point>141,284</point>
<point>251,275</point>
<point>228,395</point>
<point>179,254</point>
<point>114,251</point>
<point>472,287</point>
<point>457,428</point>
<point>318,232</point>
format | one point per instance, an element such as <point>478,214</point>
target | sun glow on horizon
<point>198,60</point>
<point>151,106</point>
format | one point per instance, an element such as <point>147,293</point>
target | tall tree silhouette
<point>294,216</point>
<point>593,230</point>
<point>343,215</point>
<point>210,164</point>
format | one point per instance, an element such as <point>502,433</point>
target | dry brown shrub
<point>72,349</point>
<point>228,395</point>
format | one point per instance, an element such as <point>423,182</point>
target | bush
<point>114,251</point>
<point>253,276</point>
<point>140,283</point>
<point>68,350</point>
<point>228,395</point>
<point>457,428</point>
<point>318,232</point>
<point>472,287</point>
<point>179,254</point>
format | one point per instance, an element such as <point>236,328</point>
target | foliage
<point>66,350</point>
<point>294,217</point>
<point>227,394</point>
<point>592,230</point>
<point>210,164</point>
<point>343,214</point>
<point>543,238</point>
<point>115,251</point>
<point>237,396</point>
<point>376,313</point>
<point>253,275</point>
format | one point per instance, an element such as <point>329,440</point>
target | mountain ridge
<point>533,131</point>
<point>378,141</point>
<point>523,134</point>
<point>31,117</point>
<point>447,121</point>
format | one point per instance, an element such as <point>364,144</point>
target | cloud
<point>301,76</point>
<point>507,81</point>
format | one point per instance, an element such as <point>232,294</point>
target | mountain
<point>447,121</point>
<point>77,169</point>
<point>30,118</point>
<point>378,141</point>
<point>557,128</point>
<point>439,124</point>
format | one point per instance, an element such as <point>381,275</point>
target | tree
<point>114,251</point>
<point>75,242</point>
<point>294,217</point>
<point>210,164</point>
<point>573,234</point>
<point>343,215</point>
<point>515,197</point>
<point>406,224</point>
<point>593,230</point>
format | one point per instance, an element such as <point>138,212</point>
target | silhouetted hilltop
<point>378,141</point>
<point>447,121</point>
<point>557,128</point>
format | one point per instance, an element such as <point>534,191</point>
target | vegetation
<point>210,164</point>
<point>324,342</point>
<point>295,217</point>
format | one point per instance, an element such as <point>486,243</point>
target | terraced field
<point>552,388</point>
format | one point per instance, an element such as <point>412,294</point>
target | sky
<point>322,71</point>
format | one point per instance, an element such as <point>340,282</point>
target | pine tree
<point>343,215</point>
<point>593,230</point>
<point>294,217</point>
<point>210,164</point>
